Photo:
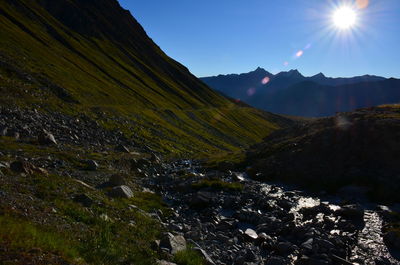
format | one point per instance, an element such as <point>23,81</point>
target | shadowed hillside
<point>352,148</point>
<point>93,57</point>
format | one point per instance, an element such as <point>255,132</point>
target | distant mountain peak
<point>319,75</point>
<point>294,73</point>
<point>260,70</point>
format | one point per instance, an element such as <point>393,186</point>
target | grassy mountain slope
<point>93,57</point>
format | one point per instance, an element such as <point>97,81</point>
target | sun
<point>344,17</point>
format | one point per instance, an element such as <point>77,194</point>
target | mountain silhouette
<point>291,93</point>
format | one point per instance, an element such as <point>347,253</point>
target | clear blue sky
<point>213,37</point>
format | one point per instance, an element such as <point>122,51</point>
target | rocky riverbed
<point>261,223</point>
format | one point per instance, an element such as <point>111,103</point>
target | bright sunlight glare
<point>344,17</point>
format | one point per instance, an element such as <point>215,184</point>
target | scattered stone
<point>12,133</point>
<point>250,235</point>
<point>205,256</point>
<point>3,131</point>
<point>27,168</point>
<point>92,165</point>
<point>276,261</point>
<point>105,217</point>
<point>4,165</point>
<point>84,200</point>
<point>173,243</point>
<point>121,192</point>
<point>202,198</point>
<point>116,180</point>
<point>122,148</point>
<point>164,262</point>
<point>46,138</point>
<point>83,184</point>
<point>308,245</point>
<point>352,211</point>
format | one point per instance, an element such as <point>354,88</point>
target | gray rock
<point>250,235</point>
<point>84,200</point>
<point>276,261</point>
<point>285,248</point>
<point>202,198</point>
<point>323,244</point>
<point>173,243</point>
<point>91,165</point>
<point>46,138</point>
<point>205,256</point>
<point>116,180</point>
<point>12,133</point>
<point>164,262</point>
<point>4,165</point>
<point>352,211</point>
<point>121,192</point>
<point>122,148</point>
<point>3,131</point>
<point>308,245</point>
<point>26,168</point>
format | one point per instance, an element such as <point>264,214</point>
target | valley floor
<point>90,198</point>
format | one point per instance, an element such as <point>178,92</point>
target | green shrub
<point>18,233</point>
<point>218,185</point>
<point>188,257</point>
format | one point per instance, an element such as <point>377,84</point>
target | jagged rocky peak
<point>319,75</point>
<point>291,73</point>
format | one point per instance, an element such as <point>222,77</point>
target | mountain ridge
<point>279,93</point>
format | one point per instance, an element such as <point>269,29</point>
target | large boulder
<point>173,243</point>
<point>121,192</point>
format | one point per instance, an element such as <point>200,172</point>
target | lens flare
<point>361,4</point>
<point>299,54</point>
<point>251,91</point>
<point>265,80</point>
